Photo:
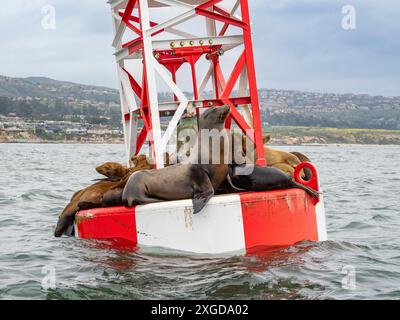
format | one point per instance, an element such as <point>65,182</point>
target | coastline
<point>57,142</point>
<point>339,144</point>
<point>281,136</point>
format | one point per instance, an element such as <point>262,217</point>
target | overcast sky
<point>299,44</point>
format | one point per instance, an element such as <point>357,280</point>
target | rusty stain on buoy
<point>188,212</point>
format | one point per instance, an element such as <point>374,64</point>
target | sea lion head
<point>266,138</point>
<point>112,170</point>
<point>135,160</point>
<point>140,162</point>
<point>214,118</point>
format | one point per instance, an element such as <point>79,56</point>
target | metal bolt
<point>182,43</point>
<point>201,42</point>
<point>172,44</point>
<point>210,41</point>
<point>210,103</point>
<point>220,52</point>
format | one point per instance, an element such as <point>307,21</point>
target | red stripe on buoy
<point>107,223</point>
<point>278,218</point>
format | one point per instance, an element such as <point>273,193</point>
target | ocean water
<point>361,259</point>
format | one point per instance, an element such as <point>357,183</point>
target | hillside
<point>44,98</point>
<point>41,87</point>
<point>296,108</point>
<point>285,135</point>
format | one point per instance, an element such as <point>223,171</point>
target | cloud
<point>299,44</point>
<point>79,49</point>
<point>304,46</point>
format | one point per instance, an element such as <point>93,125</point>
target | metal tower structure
<point>161,36</point>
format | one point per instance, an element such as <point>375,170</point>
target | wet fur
<point>92,196</point>
<point>181,181</point>
<point>112,170</point>
<point>80,200</point>
<point>189,182</point>
<point>282,160</point>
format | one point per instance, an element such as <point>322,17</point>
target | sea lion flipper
<point>63,224</point>
<point>201,199</point>
<point>202,194</point>
<point>310,191</point>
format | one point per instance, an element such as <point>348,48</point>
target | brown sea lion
<point>87,198</point>
<point>92,196</point>
<point>282,160</point>
<point>112,170</point>
<point>284,167</point>
<point>113,197</point>
<point>115,170</point>
<point>140,162</point>
<point>184,181</point>
<point>302,157</point>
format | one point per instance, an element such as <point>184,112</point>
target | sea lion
<point>113,197</point>
<point>284,167</point>
<point>87,198</point>
<point>140,162</point>
<point>302,157</point>
<point>112,170</point>
<point>92,196</point>
<point>257,178</point>
<point>186,180</point>
<point>273,157</point>
<point>282,160</point>
<point>177,182</point>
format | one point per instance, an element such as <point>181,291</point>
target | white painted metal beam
<point>126,85</point>
<point>151,83</point>
<point>226,40</point>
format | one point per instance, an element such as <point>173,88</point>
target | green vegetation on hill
<point>58,110</point>
<point>40,98</point>
<point>301,135</point>
<point>296,108</point>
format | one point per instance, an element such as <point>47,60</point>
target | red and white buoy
<point>234,223</point>
<point>228,223</point>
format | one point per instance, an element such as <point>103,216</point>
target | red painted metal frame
<point>174,58</point>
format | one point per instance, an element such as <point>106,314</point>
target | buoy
<point>238,223</point>
<point>235,223</point>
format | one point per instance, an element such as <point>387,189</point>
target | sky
<point>298,44</point>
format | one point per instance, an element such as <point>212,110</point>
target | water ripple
<point>362,216</point>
